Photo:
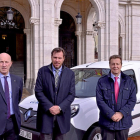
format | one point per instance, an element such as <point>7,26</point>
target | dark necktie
<point>116,85</point>
<point>6,88</point>
<point>56,78</point>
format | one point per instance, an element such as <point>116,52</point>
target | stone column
<point>101,41</point>
<point>128,19</point>
<point>111,31</point>
<point>35,47</point>
<point>90,46</point>
<point>28,57</point>
<point>123,49</point>
<point>79,47</point>
<point>57,22</point>
<point>135,31</point>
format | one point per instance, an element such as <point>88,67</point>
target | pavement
<point>26,93</point>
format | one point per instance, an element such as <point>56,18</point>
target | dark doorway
<point>13,40</point>
<point>67,39</point>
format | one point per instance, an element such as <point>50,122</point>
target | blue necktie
<point>6,87</point>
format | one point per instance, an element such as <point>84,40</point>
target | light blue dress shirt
<point>10,90</point>
<point>53,69</point>
<point>118,80</point>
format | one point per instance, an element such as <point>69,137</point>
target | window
<point>132,75</point>
<point>86,81</point>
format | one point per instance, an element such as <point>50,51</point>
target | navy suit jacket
<point>46,94</point>
<point>17,86</point>
<point>105,97</point>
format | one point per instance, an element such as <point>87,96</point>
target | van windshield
<point>86,80</point>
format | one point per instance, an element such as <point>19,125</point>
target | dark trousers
<point>10,130</point>
<point>114,134</point>
<point>56,135</point>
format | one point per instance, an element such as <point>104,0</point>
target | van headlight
<point>74,110</point>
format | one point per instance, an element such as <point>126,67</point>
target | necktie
<point>6,87</point>
<point>56,78</point>
<point>116,85</point>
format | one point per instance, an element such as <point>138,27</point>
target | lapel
<point>62,78</point>
<point>122,83</point>
<point>2,92</point>
<point>13,86</point>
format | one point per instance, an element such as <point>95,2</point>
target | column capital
<point>95,33</point>
<point>122,35</point>
<point>34,20</point>
<point>101,24</point>
<point>27,31</point>
<point>57,22</point>
<point>89,32</point>
<point>78,33</point>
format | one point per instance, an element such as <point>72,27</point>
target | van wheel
<point>95,134</point>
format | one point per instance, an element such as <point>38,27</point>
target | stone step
<point>17,68</point>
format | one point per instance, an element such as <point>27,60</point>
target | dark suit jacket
<point>105,97</point>
<point>46,94</point>
<point>17,86</point>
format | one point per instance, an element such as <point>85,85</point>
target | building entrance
<point>13,40</point>
<point>67,39</point>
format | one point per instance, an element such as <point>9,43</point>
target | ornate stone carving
<point>57,22</point>
<point>34,20</point>
<point>27,31</point>
<point>78,33</point>
<point>122,35</point>
<point>99,24</point>
<point>95,33</point>
<point>89,32</point>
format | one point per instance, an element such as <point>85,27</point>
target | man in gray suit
<point>10,94</point>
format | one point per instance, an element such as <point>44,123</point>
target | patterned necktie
<point>116,85</point>
<point>56,78</point>
<point>6,88</point>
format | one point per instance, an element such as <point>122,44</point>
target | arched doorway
<point>67,39</point>
<point>13,40</point>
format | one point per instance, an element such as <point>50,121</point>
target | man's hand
<point>114,118</point>
<point>54,110</point>
<point>117,117</point>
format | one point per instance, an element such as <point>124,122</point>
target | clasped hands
<point>54,110</point>
<point>117,117</point>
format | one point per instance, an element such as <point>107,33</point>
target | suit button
<point>5,112</point>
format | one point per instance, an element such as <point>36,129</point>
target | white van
<point>84,111</point>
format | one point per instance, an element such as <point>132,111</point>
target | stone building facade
<point>117,24</point>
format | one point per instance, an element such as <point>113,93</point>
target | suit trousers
<point>56,135</point>
<point>10,130</point>
<point>114,134</point>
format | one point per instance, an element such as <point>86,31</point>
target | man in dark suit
<point>55,91</point>
<point>10,95</point>
<point>116,98</point>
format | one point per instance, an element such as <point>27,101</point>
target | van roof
<point>105,64</point>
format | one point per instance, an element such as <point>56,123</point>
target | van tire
<point>94,134</point>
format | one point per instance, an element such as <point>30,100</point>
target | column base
<point>29,84</point>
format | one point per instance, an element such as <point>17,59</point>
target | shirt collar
<point>53,68</point>
<point>1,75</point>
<point>112,76</point>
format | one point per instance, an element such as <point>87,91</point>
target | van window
<point>131,73</point>
<point>86,80</point>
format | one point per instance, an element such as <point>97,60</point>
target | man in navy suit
<point>10,95</point>
<point>55,91</point>
<point>116,98</point>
